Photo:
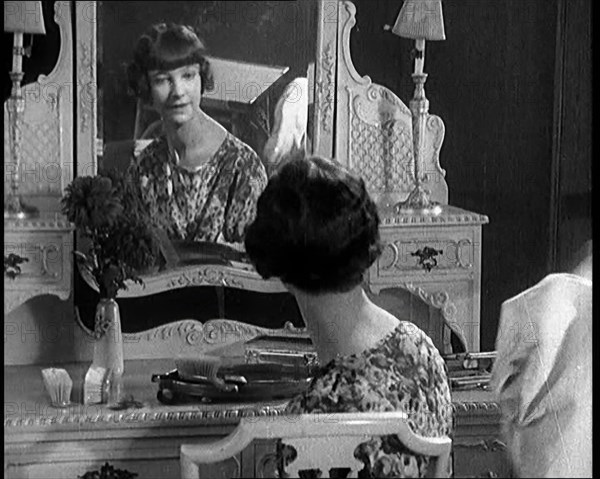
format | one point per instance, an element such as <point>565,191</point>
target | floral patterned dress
<point>215,203</point>
<point>404,372</point>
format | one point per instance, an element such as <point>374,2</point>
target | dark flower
<point>91,202</point>
<point>108,211</point>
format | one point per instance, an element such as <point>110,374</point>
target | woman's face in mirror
<point>176,94</point>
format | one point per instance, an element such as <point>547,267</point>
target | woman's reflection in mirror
<point>199,182</point>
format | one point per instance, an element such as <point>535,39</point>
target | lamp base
<point>15,209</point>
<point>418,199</point>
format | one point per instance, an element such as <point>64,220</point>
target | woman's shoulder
<point>405,358</point>
<point>241,153</point>
<point>405,348</point>
<point>408,339</point>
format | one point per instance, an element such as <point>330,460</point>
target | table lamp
<point>419,20</point>
<point>19,18</point>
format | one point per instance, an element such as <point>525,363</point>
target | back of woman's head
<point>167,46</point>
<point>316,227</point>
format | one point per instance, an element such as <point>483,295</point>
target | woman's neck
<point>342,324</point>
<point>190,136</point>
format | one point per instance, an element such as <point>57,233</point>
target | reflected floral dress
<point>403,372</point>
<point>215,203</point>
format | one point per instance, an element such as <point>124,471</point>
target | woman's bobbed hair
<point>167,46</point>
<point>316,227</point>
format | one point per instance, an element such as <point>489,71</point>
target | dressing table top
<point>27,405</point>
<point>44,221</point>
<point>437,215</point>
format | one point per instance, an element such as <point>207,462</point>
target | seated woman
<point>317,230</point>
<point>199,182</point>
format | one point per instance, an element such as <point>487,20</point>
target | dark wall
<point>573,134</point>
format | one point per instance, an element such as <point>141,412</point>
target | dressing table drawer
<point>38,258</point>
<point>44,254</point>
<point>437,258</point>
<point>418,251</point>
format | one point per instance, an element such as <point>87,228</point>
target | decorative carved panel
<point>378,135</point>
<point>374,130</point>
<point>185,337</point>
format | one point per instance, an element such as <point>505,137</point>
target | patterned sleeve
<point>250,181</point>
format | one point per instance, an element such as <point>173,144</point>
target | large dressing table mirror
<point>362,125</point>
<point>270,70</point>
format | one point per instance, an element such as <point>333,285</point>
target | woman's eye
<point>189,75</point>
<point>159,80</point>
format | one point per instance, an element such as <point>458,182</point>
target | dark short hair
<point>316,227</point>
<point>167,46</point>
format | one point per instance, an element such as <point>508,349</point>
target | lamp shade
<point>24,17</point>
<point>420,19</point>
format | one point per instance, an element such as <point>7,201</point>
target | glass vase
<point>108,349</point>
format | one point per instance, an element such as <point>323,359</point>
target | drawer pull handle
<point>11,265</point>
<point>45,268</point>
<point>427,257</point>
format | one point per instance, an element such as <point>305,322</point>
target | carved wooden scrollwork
<point>304,454</point>
<point>11,265</point>
<point>212,332</point>
<point>163,340</point>
<point>86,65</point>
<point>436,131</point>
<point>202,277</point>
<point>427,257</point>
<point>326,87</point>
<point>45,249</point>
<point>374,130</point>
<point>91,416</point>
<point>442,301</point>
<point>476,408</point>
<point>380,142</point>
<point>109,471</point>
<point>348,20</point>
<point>266,466</point>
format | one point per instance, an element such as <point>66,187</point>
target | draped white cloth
<point>543,377</point>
